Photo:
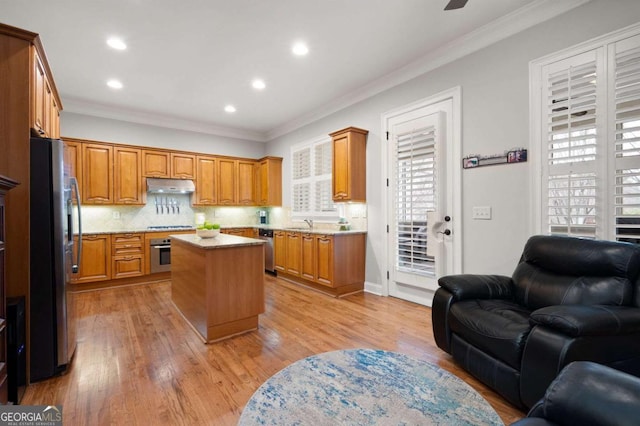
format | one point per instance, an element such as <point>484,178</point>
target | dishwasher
<point>267,235</point>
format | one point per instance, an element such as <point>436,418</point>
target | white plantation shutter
<point>323,168</point>
<point>626,139</point>
<point>312,195</point>
<point>415,178</point>
<point>571,107</point>
<point>590,152</point>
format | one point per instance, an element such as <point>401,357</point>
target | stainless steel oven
<point>160,255</point>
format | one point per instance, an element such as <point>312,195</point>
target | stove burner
<point>170,227</point>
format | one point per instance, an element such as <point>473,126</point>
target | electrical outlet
<point>116,215</point>
<point>482,213</point>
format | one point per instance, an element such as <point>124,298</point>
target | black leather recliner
<point>586,393</point>
<point>569,299</point>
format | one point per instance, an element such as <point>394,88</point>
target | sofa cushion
<point>555,270</point>
<point>497,327</point>
<point>536,287</point>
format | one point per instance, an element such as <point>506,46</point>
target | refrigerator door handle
<point>75,265</point>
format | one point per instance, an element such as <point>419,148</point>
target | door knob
<point>447,218</point>
<point>446,232</point>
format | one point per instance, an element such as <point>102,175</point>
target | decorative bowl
<point>207,233</point>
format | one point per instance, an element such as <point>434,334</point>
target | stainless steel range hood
<point>170,186</point>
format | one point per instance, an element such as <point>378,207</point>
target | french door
<point>421,233</point>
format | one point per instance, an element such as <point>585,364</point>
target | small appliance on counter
<point>263,217</point>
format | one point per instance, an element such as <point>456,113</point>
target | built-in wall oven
<point>160,249</point>
<point>160,255</point>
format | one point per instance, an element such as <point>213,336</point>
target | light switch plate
<point>482,213</point>
<point>116,215</point>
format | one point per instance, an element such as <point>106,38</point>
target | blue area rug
<point>366,387</point>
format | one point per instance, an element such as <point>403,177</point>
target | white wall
<point>495,117</point>
<point>107,130</point>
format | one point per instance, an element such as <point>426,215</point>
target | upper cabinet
<point>127,176</point>
<point>111,173</point>
<point>97,176</point>
<point>349,165</point>
<point>45,103</point>
<point>166,164</point>
<point>269,181</point>
<point>227,181</point>
<point>206,179</point>
<point>155,163</point>
<point>183,166</point>
<point>246,183</point>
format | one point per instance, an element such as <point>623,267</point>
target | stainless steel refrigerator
<point>54,210</point>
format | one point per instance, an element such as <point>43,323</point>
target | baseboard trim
<point>373,288</point>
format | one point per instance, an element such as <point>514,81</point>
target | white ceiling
<point>187,59</point>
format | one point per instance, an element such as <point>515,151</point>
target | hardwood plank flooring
<point>138,362</point>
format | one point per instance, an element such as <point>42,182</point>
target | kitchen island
<point>218,283</point>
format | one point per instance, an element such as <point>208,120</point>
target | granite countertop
<point>272,227</point>
<point>220,241</point>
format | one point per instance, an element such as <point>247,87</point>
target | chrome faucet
<point>309,222</point>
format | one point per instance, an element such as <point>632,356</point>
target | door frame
<point>453,264</point>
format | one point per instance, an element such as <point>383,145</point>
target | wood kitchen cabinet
<point>95,260</point>
<point>72,155</point>
<point>127,255</point>
<point>324,259</point>
<point>246,182</point>
<point>97,173</point>
<point>349,165</point>
<point>293,263</point>
<point>155,163</point>
<point>45,103</point>
<point>227,181</point>
<point>183,166</point>
<point>331,263</point>
<point>206,180</point>
<point>127,176</point>
<point>269,181</point>
<point>308,263</point>
<point>280,250</point>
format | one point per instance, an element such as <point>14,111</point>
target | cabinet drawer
<point>124,244</point>
<point>127,266</point>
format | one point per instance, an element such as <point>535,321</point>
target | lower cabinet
<point>279,250</point>
<point>332,263</point>
<point>324,259</point>
<point>127,255</point>
<point>95,261</point>
<point>293,263</point>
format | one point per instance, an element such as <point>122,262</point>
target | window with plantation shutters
<point>626,139</point>
<point>589,116</point>
<point>311,181</point>
<point>571,105</point>
<point>415,176</point>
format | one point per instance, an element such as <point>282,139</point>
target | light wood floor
<point>138,362</point>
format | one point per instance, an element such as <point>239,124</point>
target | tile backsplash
<point>117,218</point>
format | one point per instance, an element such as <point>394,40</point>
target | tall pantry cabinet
<point>30,105</point>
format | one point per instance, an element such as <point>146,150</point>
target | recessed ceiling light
<point>116,43</point>
<point>115,84</point>
<point>300,49</point>
<point>230,108</point>
<point>258,84</point>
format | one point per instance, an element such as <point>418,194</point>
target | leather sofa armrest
<point>588,320</point>
<point>467,286</point>
<point>589,393</point>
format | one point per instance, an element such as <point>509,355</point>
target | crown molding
<point>95,109</point>
<point>519,20</point>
